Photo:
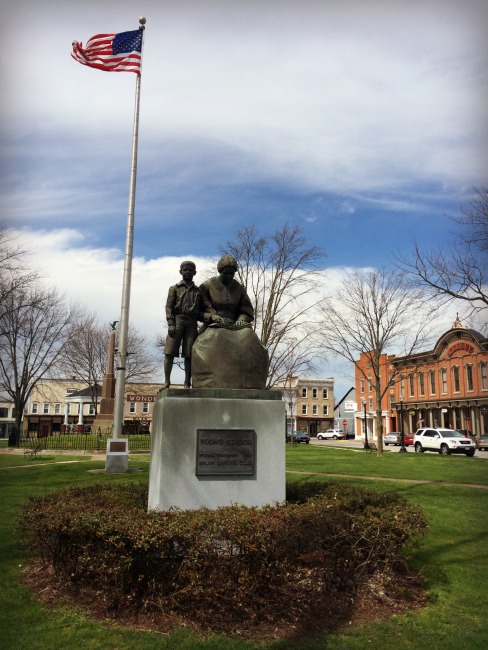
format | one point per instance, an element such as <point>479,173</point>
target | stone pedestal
<point>217,447</point>
<point>117,461</point>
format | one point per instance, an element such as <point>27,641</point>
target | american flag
<point>111,52</point>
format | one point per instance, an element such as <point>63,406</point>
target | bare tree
<point>142,358</point>
<point>457,271</point>
<point>282,276</point>
<point>14,270</point>
<point>85,354</point>
<point>373,312</point>
<point>34,327</point>
<point>475,219</point>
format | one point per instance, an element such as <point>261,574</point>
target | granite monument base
<point>217,447</point>
<point>117,460</point>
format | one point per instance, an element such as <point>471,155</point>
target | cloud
<point>333,96</point>
<point>93,276</point>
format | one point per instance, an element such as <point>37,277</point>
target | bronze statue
<point>228,297</point>
<point>228,353</point>
<point>184,307</point>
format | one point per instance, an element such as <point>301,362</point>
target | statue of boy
<point>184,307</point>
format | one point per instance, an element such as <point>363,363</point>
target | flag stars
<point>128,42</point>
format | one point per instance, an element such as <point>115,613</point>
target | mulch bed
<point>379,599</point>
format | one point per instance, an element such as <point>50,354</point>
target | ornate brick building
<point>443,387</point>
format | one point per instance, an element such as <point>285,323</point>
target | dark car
<point>482,443</point>
<point>298,436</point>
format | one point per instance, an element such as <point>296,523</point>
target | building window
<point>402,386</point>
<point>35,407</point>
<point>392,402</point>
<point>432,382</point>
<point>57,408</point>
<point>91,409</point>
<point>145,407</point>
<point>411,384</point>
<point>304,393</point>
<point>132,407</point>
<point>361,385</point>
<point>3,412</point>
<point>444,380</point>
<point>315,409</point>
<point>45,408</point>
<point>455,373</point>
<point>390,381</point>
<point>315,393</point>
<point>325,409</point>
<point>304,409</point>
<point>370,385</point>
<point>469,377</point>
<point>421,383</point>
<point>484,378</point>
<point>325,393</point>
<point>370,407</point>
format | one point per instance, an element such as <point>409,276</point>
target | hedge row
<point>221,566</point>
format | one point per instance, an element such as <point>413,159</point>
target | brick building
<point>443,387</point>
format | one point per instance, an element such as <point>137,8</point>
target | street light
<point>366,443</point>
<point>402,448</point>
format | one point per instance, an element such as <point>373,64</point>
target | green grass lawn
<point>453,557</point>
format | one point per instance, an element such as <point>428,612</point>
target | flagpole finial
<point>142,20</point>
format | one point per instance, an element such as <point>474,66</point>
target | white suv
<point>330,433</point>
<point>445,441</point>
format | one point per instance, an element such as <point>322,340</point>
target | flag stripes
<point>111,52</point>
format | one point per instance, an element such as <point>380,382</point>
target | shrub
<point>221,567</point>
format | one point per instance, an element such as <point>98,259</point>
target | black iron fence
<point>89,442</point>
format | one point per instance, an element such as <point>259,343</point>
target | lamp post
<point>290,409</point>
<point>366,443</point>
<point>402,448</point>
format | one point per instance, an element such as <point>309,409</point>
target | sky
<point>362,122</point>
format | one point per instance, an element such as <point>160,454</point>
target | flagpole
<point>125,304</point>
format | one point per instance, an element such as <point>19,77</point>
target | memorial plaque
<point>118,446</point>
<point>224,452</point>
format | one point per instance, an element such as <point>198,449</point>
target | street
<point>356,444</point>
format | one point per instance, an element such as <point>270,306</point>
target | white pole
<point>124,311</point>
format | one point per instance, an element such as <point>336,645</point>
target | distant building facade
<point>344,412</point>
<point>58,405</point>
<point>309,404</point>
<point>7,416</point>
<point>443,387</point>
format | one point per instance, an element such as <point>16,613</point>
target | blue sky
<point>364,123</point>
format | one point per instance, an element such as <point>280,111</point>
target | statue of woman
<point>228,353</point>
<point>228,297</point>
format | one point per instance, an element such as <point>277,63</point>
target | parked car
<point>483,443</point>
<point>444,441</point>
<point>392,438</point>
<point>395,438</point>
<point>298,436</point>
<point>334,434</point>
<point>468,434</point>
